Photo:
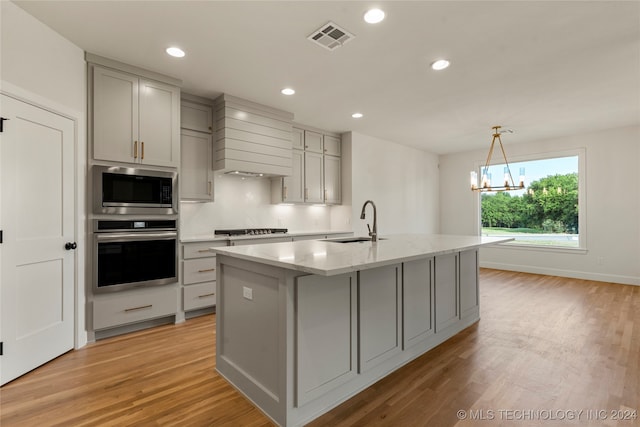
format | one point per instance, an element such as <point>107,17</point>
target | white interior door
<point>37,216</point>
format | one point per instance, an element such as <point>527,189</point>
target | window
<point>546,213</point>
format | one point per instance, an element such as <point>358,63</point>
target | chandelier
<point>485,184</point>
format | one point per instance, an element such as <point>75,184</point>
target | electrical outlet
<point>247,293</point>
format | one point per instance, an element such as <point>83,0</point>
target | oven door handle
<point>106,237</point>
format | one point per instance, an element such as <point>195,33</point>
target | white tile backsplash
<point>246,203</point>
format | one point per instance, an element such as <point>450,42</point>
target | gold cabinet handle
<point>306,193</point>
<point>142,307</point>
<point>325,195</point>
<point>203,250</point>
<point>142,150</point>
<point>207,270</point>
<point>207,295</point>
<point>285,193</point>
<point>209,187</point>
<point>135,149</point>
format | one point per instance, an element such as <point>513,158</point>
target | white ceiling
<point>542,68</point>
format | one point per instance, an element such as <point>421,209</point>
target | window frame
<point>582,199</point>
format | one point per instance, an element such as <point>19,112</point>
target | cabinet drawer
<point>134,306</point>
<point>200,249</point>
<point>198,270</point>
<point>199,296</point>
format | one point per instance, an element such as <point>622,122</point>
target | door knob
<point>70,245</point>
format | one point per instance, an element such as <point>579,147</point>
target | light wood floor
<point>542,344</point>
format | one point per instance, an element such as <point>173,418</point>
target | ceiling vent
<point>330,36</point>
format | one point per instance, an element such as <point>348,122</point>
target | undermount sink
<point>352,240</point>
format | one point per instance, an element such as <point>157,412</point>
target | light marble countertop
<point>213,238</point>
<point>328,258</point>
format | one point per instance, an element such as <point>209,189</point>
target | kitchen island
<point>303,326</point>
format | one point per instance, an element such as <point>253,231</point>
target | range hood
<point>251,139</point>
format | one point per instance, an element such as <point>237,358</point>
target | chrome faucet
<point>374,233</point>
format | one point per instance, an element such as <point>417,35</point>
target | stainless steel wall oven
<point>133,253</point>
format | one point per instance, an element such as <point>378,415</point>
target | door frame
<point>80,221</point>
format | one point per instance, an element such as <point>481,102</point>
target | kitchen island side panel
<point>252,330</point>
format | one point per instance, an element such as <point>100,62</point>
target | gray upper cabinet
<point>332,145</point>
<point>316,173</point>
<point>313,177</point>
<point>196,174</point>
<point>196,147</point>
<point>293,186</point>
<point>297,139</point>
<point>312,141</point>
<point>195,116</point>
<point>135,120</point>
<point>332,182</point>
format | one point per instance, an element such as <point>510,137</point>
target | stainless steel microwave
<point>121,190</point>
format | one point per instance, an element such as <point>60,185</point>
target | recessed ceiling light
<point>440,64</point>
<point>374,16</point>
<point>175,52</point>
<point>357,115</point>
<point>287,91</point>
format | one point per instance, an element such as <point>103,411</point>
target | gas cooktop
<point>250,231</point>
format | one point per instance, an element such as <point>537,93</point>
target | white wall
<point>40,66</point>
<point>402,181</point>
<point>246,203</point>
<point>612,208</point>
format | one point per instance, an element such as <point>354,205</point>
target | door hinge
<point>2,119</point>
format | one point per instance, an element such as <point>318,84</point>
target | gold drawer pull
<point>207,295</point>
<point>142,150</point>
<point>135,149</point>
<point>203,250</point>
<point>138,308</point>
<point>207,270</point>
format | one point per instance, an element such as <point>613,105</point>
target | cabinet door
<point>159,124</point>
<point>446,291</point>
<point>332,145</point>
<point>379,318</point>
<point>196,175</point>
<point>194,116</point>
<point>469,298</point>
<point>293,186</point>
<point>312,141</point>
<point>326,345</point>
<point>332,193</point>
<point>115,116</point>
<point>417,297</point>
<point>313,178</point>
<point>297,139</point>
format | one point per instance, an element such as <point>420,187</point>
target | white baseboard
<point>586,275</point>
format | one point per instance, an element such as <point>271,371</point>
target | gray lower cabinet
<point>298,344</point>
<point>446,292</point>
<point>379,307</point>
<point>325,334</point>
<point>136,305</point>
<point>469,292</point>
<point>199,275</point>
<point>417,301</point>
